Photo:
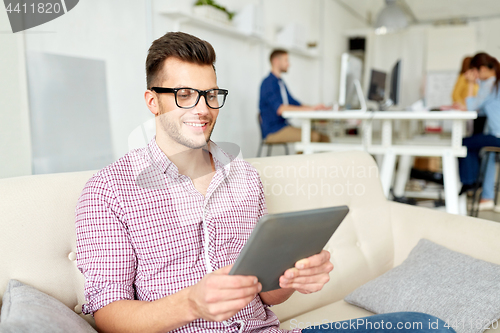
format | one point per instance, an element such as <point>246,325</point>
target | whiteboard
<point>70,126</point>
<point>439,88</point>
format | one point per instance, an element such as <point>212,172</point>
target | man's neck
<point>276,72</point>
<point>193,163</point>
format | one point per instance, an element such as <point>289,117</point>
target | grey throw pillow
<point>461,290</point>
<point>26,309</point>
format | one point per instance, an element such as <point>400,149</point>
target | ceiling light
<point>391,18</point>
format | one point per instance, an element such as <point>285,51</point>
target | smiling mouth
<point>196,124</point>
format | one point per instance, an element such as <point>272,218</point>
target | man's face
<point>282,62</point>
<point>188,127</point>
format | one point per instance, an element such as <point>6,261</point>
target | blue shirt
<point>491,108</point>
<point>485,89</point>
<point>270,101</point>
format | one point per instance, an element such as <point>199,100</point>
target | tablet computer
<point>278,241</point>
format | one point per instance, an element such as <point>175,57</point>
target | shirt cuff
<point>106,296</point>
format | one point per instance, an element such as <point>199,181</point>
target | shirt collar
<point>222,160</point>
<point>275,77</point>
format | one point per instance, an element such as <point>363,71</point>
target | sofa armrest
<point>472,236</point>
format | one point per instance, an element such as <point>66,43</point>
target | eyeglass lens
<point>187,98</point>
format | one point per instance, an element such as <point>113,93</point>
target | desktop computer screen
<point>395,82</point>
<point>376,91</point>
<point>351,70</point>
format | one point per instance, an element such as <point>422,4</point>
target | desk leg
<point>387,171</point>
<point>462,204</point>
<point>450,177</point>
<point>402,175</point>
<point>306,136</point>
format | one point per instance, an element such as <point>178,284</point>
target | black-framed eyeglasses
<point>187,98</point>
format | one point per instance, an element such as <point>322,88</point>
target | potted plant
<point>211,10</point>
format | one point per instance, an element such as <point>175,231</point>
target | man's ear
<point>152,102</point>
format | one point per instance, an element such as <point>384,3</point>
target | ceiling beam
<point>353,12</point>
<point>407,9</point>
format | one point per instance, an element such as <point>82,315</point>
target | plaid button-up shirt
<point>144,232</point>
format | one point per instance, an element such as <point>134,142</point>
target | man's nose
<point>201,107</point>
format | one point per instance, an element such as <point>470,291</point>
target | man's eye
<point>212,96</point>
<point>184,94</point>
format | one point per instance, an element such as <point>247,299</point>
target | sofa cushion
<point>337,311</point>
<point>461,290</point>
<point>26,309</point>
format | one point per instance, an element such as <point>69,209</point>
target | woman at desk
<point>461,89</point>
<point>460,94</point>
<point>486,69</point>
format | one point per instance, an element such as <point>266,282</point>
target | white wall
<point>113,31</point>
<point>487,36</point>
<point>15,145</point>
<point>447,46</point>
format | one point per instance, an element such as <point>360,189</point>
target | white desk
<point>449,151</point>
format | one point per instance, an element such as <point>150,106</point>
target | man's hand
<point>322,107</point>
<point>309,275</point>
<point>219,296</point>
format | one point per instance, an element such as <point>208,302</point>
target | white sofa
<point>37,237</point>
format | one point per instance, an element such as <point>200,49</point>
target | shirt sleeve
<point>471,103</point>
<point>457,95</point>
<point>105,255</point>
<point>491,108</point>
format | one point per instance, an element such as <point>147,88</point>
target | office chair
<point>484,154</point>
<point>269,145</point>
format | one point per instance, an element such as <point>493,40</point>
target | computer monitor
<point>377,86</point>
<point>351,70</point>
<point>395,82</point>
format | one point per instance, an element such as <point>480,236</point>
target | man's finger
<point>232,281</point>
<point>305,280</point>
<point>229,308</point>
<point>225,295</point>
<point>291,273</point>
<point>312,261</point>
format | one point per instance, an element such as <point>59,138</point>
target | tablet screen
<point>280,240</point>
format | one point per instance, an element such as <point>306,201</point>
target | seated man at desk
<point>275,99</point>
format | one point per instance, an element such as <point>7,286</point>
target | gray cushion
<point>461,290</point>
<point>25,309</point>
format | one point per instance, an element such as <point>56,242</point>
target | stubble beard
<point>173,131</point>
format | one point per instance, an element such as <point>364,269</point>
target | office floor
<point>417,186</point>
<point>489,215</point>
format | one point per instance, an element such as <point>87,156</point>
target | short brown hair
<point>180,45</point>
<point>277,53</point>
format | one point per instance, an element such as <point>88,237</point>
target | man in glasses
<point>158,230</point>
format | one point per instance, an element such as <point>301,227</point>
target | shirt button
<point>72,256</point>
<point>227,322</point>
<point>78,308</point>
